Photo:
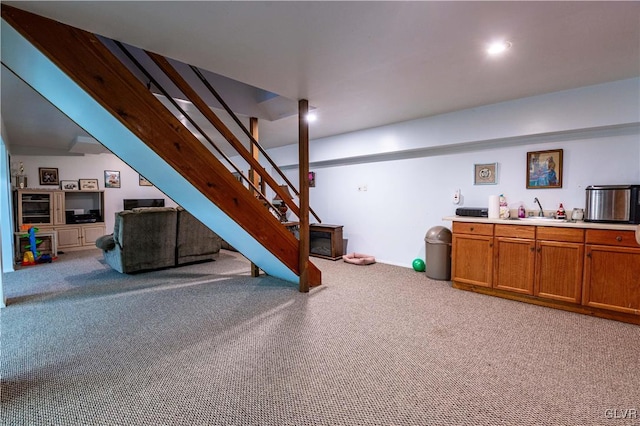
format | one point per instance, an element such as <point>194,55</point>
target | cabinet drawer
<point>473,228</point>
<point>570,235</point>
<point>611,238</point>
<point>515,231</point>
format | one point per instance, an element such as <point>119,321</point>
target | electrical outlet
<point>362,187</point>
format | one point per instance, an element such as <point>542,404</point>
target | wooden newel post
<point>303,161</point>
<point>253,175</point>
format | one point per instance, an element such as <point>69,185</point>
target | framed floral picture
<point>111,179</point>
<point>544,169</point>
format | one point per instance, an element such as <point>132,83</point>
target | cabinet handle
<point>618,238</point>
<point>472,228</point>
<point>532,249</point>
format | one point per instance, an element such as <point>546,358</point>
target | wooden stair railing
<point>260,192</point>
<point>93,67</point>
<point>208,113</point>
<point>246,131</point>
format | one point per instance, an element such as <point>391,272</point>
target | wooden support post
<point>255,271</point>
<point>253,175</point>
<point>303,162</point>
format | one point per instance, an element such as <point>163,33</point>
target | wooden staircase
<point>85,59</point>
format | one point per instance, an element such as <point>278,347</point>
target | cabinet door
<point>612,278</point>
<point>559,270</point>
<point>91,233</point>
<point>472,259</point>
<point>58,208</point>
<point>514,265</point>
<point>34,208</point>
<point>69,236</point>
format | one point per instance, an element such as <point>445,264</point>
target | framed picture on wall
<point>485,174</point>
<point>142,181</point>
<point>88,184</point>
<point>48,176</point>
<point>111,179</point>
<point>544,169</point>
<point>69,185</point>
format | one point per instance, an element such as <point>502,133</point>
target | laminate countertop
<point>545,222</point>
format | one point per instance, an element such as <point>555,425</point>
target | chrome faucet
<point>541,212</point>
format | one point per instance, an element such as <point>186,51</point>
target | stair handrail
<point>166,67</point>
<point>153,81</point>
<point>246,131</point>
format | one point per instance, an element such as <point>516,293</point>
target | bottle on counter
<point>504,208</point>
<point>561,214</point>
<point>521,211</point>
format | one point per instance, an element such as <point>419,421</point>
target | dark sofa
<point>157,237</point>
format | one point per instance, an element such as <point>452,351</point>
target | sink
<point>542,219</point>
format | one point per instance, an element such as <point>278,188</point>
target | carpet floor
<point>207,344</point>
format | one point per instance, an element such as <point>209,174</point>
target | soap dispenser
<point>521,211</point>
<point>561,214</point>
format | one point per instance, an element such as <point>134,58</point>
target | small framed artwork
<point>544,169</point>
<point>485,174</point>
<point>142,181</point>
<point>88,184</point>
<point>111,179</point>
<point>48,176</point>
<point>69,185</point>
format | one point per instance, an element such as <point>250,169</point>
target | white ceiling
<point>361,64</point>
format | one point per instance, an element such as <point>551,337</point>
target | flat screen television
<point>143,202</point>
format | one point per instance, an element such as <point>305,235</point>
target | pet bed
<point>359,259</point>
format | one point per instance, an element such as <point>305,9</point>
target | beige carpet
<point>376,345</point>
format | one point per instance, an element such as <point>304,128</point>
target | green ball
<point>418,265</point>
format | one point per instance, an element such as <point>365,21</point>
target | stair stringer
<point>33,67</point>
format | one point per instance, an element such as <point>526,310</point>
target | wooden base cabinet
<point>90,233</point>
<point>72,237</point>
<point>559,264</point>
<point>589,271</point>
<point>472,253</point>
<point>612,271</point>
<point>68,237</point>
<point>514,257</point>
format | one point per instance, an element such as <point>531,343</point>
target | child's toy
<point>32,256</point>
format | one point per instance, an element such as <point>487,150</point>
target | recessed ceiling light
<point>498,47</point>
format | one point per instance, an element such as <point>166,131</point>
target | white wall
<point>405,197</point>
<point>92,166</point>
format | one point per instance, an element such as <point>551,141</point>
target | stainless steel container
<point>612,204</point>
